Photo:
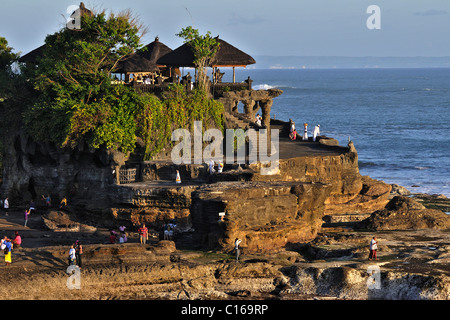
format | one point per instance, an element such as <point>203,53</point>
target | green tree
<point>204,48</point>
<point>7,58</point>
<point>76,101</point>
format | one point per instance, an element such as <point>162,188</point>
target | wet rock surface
<point>412,264</point>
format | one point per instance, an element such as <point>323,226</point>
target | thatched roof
<point>226,56</point>
<point>33,56</point>
<point>144,60</point>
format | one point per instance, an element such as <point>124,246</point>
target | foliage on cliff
<point>7,58</point>
<point>74,101</point>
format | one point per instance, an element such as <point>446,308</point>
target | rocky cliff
<point>267,211</point>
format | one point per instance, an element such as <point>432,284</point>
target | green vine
<point>157,118</point>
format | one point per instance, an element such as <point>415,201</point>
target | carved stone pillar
<point>249,108</point>
<point>266,105</point>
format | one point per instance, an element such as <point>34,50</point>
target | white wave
<point>264,86</point>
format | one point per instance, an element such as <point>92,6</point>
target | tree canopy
<point>74,102</point>
<point>204,48</point>
<point>7,58</point>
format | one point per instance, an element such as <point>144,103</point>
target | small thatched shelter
<point>226,56</point>
<point>144,60</point>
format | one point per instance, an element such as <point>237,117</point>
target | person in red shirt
<point>143,234</point>
<point>112,238</point>
<point>17,240</point>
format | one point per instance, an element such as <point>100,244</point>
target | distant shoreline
<point>342,62</point>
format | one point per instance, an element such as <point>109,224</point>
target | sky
<point>408,28</point>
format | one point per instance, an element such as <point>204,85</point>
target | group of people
<point>212,164</point>
<point>293,131</point>
<point>168,229</point>
<point>120,237</point>
<point>258,120</point>
<point>75,254</point>
<point>7,245</point>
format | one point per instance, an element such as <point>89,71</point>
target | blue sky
<point>259,27</point>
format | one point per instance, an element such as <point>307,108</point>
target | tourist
<point>291,125</point>
<point>78,253</point>
<point>220,167</point>
<point>123,237</point>
<point>170,229</point>
<point>17,241</point>
<point>27,213</point>
<point>143,234</point>
<point>48,201</point>
<point>8,246</point>
<point>166,231</point>
<point>112,237</point>
<point>72,256</point>
<point>6,206</point>
<point>293,135</point>
<point>32,207</point>
<point>316,132</point>
<point>178,178</point>
<point>211,166</point>
<point>63,203</point>
<point>237,242</point>
<point>373,249</point>
<point>305,132</point>
<point>258,120</point>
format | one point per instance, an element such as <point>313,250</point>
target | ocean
<point>398,119</point>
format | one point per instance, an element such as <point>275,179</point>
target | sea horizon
<point>397,118</point>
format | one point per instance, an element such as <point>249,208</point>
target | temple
<point>313,179</point>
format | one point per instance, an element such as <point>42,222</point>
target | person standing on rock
<point>291,125</point>
<point>237,242</point>
<point>78,253</point>
<point>6,206</point>
<point>143,234</point>
<point>316,132</point>
<point>72,256</point>
<point>305,132</point>
<point>373,249</point>
<point>7,250</point>
<point>17,241</point>
<point>27,213</point>
<point>211,166</point>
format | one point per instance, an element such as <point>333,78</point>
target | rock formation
<point>313,179</point>
<point>403,213</point>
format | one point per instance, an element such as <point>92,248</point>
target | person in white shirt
<point>237,242</point>
<point>211,166</point>
<point>72,256</point>
<point>316,132</point>
<point>6,206</point>
<point>373,249</point>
